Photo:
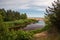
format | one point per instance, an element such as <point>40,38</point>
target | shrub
<point>24,35</point>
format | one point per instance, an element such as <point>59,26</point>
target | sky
<point>33,8</point>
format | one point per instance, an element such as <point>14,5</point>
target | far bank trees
<point>9,15</point>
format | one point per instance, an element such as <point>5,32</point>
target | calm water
<point>40,24</point>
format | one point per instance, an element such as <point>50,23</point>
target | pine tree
<point>53,15</point>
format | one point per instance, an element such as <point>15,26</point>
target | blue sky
<point>33,8</point>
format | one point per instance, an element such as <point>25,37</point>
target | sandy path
<point>40,36</point>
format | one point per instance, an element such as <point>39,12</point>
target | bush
<point>16,35</point>
<point>18,24</point>
<point>24,35</point>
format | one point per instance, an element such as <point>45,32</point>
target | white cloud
<point>14,1</point>
<point>24,4</point>
<point>43,2</point>
<point>41,5</point>
<point>14,4</point>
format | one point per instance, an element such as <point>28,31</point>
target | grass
<point>19,23</point>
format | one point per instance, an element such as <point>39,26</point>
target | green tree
<point>1,26</point>
<point>53,15</point>
<point>17,15</point>
<point>3,13</point>
<point>23,16</point>
<point>10,15</point>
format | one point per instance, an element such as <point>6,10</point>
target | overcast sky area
<point>33,8</point>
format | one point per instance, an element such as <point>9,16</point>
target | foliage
<point>53,15</point>
<point>18,24</point>
<point>2,13</point>
<point>12,19</point>
<point>39,30</point>
<point>16,35</point>
<point>9,15</point>
<point>23,16</point>
<point>24,35</point>
<point>36,31</point>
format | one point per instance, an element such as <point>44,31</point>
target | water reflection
<point>40,24</point>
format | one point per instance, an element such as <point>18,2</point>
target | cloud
<point>41,2</point>
<point>13,1</point>
<point>14,4</point>
<point>24,4</point>
<point>31,7</point>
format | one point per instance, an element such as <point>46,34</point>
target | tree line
<point>9,15</point>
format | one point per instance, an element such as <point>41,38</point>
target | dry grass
<point>45,36</point>
<point>40,36</point>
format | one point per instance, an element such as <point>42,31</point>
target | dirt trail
<point>40,36</point>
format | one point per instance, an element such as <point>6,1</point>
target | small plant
<point>24,35</point>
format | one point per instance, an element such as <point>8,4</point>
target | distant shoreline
<point>36,18</point>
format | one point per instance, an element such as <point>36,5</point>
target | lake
<point>38,25</point>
